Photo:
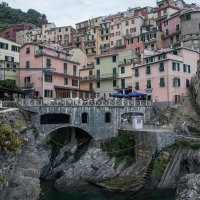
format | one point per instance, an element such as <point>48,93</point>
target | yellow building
<point>113,72</point>
<point>9,58</point>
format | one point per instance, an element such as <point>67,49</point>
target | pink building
<point>166,76</point>
<point>51,73</point>
<point>136,44</point>
<point>171,30</point>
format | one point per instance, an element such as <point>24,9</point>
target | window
<point>137,86</point>
<point>177,27</point>
<point>161,67</point>
<point>98,74</point>
<point>187,83</point>
<point>65,81</point>
<point>114,83</point>
<point>161,57</point>
<point>48,62</point>
<point>98,85</point>
<point>114,72</point>
<point>98,61</point>
<point>176,82</point>
<point>66,29</point>
<point>114,59</point>
<point>74,70</point>
<point>14,48</point>
<point>90,86</point>
<point>167,31</point>
<point>65,68</point>
<point>122,83</point>
<point>148,70</point>
<point>3,46</point>
<point>136,72</point>
<point>166,23</point>
<point>162,82</point>
<point>122,70</point>
<point>107,117</point>
<point>28,50</point>
<point>48,78</point>
<point>148,83</point>
<point>9,58</point>
<point>187,17</point>
<point>48,93</point>
<point>27,64</point>
<point>150,59</point>
<point>175,66</point>
<point>74,82</point>
<point>186,68</point>
<point>126,23</point>
<point>84,118</point>
<point>132,21</point>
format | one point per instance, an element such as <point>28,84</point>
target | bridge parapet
<point>80,102</point>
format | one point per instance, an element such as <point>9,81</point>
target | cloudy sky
<point>70,12</point>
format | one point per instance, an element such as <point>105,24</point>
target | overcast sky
<point>70,12</point>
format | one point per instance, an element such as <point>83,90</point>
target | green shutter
<point>179,82</point>
<point>188,68</point>
<point>173,66</point>
<point>136,72</point>
<point>184,67</point>
<point>178,66</point>
<point>187,83</point>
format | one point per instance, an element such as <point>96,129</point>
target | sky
<point>70,12</point>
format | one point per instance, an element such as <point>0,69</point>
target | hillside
<point>10,16</point>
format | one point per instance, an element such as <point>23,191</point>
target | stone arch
<point>108,117</point>
<point>84,118</point>
<point>55,118</point>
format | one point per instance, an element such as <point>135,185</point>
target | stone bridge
<point>99,118</point>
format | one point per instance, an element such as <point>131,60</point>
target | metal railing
<point>80,102</point>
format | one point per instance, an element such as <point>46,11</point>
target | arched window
<point>84,118</point>
<point>107,117</point>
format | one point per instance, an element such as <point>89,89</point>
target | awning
<point>136,94</point>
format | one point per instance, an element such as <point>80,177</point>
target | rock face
<point>24,182</point>
<point>189,187</point>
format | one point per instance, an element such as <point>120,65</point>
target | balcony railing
<point>107,76</point>
<point>28,85</point>
<point>87,78</point>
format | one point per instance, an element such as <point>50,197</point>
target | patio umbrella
<point>136,94</point>
<point>119,95</point>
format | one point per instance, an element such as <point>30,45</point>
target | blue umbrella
<point>136,94</point>
<point>119,95</point>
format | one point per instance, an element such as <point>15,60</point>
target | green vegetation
<point>10,85</point>
<point>55,144</point>
<point>9,141</point>
<point>10,16</point>
<point>18,124</point>
<point>2,178</point>
<point>121,147</point>
<point>161,162</point>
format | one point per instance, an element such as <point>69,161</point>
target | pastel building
<point>190,28</point>
<point>171,28</point>
<point>48,72</point>
<point>166,76</point>
<point>9,58</point>
<point>112,73</point>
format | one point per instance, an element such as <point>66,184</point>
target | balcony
<point>107,76</point>
<point>153,40</point>
<point>87,78</point>
<point>28,85</point>
<point>170,34</point>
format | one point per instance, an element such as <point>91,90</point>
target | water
<point>94,193</point>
